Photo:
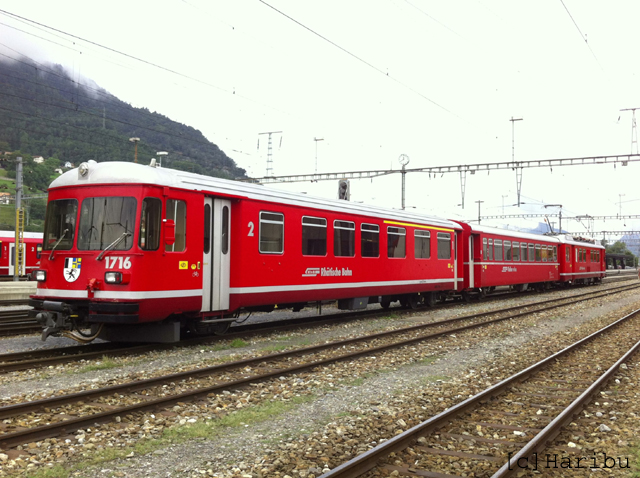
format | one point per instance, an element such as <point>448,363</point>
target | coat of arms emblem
<point>72,267</point>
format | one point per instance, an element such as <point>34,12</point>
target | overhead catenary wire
<point>358,58</point>
<point>582,35</point>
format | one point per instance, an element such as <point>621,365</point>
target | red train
<point>33,246</point>
<point>140,253</point>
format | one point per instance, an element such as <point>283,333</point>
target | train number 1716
<point>123,262</point>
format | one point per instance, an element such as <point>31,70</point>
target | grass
<point>238,343</point>
<point>234,344</point>
<point>427,360</point>
<point>390,317</point>
<point>274,348</point>
<point>179,434</point>
<point>105,364</point>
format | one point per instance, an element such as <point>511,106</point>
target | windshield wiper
<point>57,244</point>
<point>113,244</point>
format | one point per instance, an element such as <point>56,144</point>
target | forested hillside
<point>44,112</point>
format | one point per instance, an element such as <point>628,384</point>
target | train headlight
<point>83,169</point>
<point>115,277</point>
<point>40,275</point>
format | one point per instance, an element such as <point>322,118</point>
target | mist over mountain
<point>45,112</point>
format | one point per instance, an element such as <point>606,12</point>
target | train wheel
<point>413,301</point>
<point>466,296</point>
<point>430,299</point>
<point>385,304</point>
<point>221,328</point>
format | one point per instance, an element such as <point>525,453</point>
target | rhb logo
<point>311,272</point>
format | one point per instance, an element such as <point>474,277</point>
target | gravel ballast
<point>333,413</point>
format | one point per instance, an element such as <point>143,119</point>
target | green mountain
<point>44,112</point>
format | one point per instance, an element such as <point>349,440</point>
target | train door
<point>12,258</point>
<point>455,260</point>
<point>216,263</point>
<point>471,261</point>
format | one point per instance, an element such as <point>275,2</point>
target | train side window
<point>444,245</point>
<point>150,220</point>
<point>538,253</point>
<point>207,229</point>
<point>567,254</point>
<point>225,230</point>
<point>314,236</point>
<point>396,242</point>
<point>516,251</point>
<point>507,250</point>
<point>177,211</point>
<point>485,248</point>
<point>532,255</point>
<point>370,240</point>
<point>422,243</point>
<point>555,253</point>
<point>497,250</point>
<point>271,232</point>
<point>525,256</point>
<point>490,250</point>
<point>344,238</point>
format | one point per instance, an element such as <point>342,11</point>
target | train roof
<point>559,238</point>
<point>517,234</point>
<point>116,172</point>
<point>580,241</point>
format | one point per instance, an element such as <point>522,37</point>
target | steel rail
<point>13,362</point>
<point>548,433</point>
<point>54,429</point>
<point>368,460</point>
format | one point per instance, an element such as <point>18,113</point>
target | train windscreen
<point>104,220</point>
<point>60,224</point>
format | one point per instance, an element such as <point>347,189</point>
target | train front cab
<point>130,261</point>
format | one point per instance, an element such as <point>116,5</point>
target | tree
<point>620,247</point>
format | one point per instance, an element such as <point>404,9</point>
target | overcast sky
<point>436,81</point>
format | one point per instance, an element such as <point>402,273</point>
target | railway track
<point>47,357</point>
<point>18,323</point>
<point>502,430</point>
<point>63,413</point>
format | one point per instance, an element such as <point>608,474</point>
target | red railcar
<point>582,261</point>
<point>33,249</point>
<point>496,257</point>
<point>143,252</point>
